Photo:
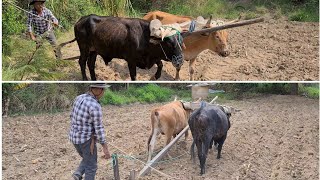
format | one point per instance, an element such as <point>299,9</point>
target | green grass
<point>307,11</point>
<point>149,93</point>
<point>20,65</point>
<point>311,92</point>
<point>273,88</point>
<point>17,49</point>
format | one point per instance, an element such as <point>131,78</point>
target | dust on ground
<point>273,50</point>
<point>272,137</point>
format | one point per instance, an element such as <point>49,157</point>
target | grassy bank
<point>18,49</point>
<point>48,98</point>
<point>295,10</point>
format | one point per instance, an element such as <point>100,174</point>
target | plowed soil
<point>272,137</point>
<point>270,51</point>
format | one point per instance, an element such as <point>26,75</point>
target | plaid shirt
<point>39,24</point>
<point>86,119</point>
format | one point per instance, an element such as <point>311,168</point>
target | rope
<point>114,159</point>
<point>31,13</point>
<point>171,28</point>
<point>144,163</point>
<point>159,162</point>
<point>163,51</point>
<point>179,40</point>
<point>177,31</point>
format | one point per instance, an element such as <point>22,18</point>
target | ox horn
<point>175,98</point>
<point>164,33</point>
<point>226,26</point>
<point>213,100</point>
<point>209,22</point>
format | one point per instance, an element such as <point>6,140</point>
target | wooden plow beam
<point>157,158</point>
<point>227,26</point>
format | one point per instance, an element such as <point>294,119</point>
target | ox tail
<point>58,49</point>
<point>197,112</point>
<point>154,132</point>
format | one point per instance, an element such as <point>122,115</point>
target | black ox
<point>124,38</point>
<point>209,124</point>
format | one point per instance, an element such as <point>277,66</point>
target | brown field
<point>272,50</point>
<point>272,137</point>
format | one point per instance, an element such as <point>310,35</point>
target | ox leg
<point>191,68</point>
<point>152,142</point>
<point>132,70</point>
<point>201,155</point>
<point>169,135</point>
<point>177,78</point>
<point>82,62</point>
<point>176,145</point>
<point>91,64</point>
<point>220,144</point>
<point>192,152</point>
<point>185,140</point>
<point>159,69</point>
<point>186,136</point>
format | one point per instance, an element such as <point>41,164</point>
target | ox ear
<point>187,105</point>
<point>155,41</point>
<point>200,19</point>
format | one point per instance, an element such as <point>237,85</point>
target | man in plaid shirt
<point>40,19</point>
<point>86,122</point>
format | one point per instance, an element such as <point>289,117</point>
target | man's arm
<point>53,18</point>
<point>96,115</point>
<point>29,27</point>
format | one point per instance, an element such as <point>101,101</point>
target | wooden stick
<point>157,158</point>
<point>72,58</point>
<point>116,168</point>
<point>226,26</point>
<point>132,175</point>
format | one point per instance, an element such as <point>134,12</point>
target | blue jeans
<point>88,165</point>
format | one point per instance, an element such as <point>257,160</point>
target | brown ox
<point>195,43</point>
<point>170,120</point>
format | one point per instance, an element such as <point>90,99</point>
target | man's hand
<point>32,36</point>
<point>105,151</point>
<point>56,24</point>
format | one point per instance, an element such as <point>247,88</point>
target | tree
<point>294,88</point>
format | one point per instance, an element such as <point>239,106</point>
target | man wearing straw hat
<point>42,21</point>
<point>86,128</point>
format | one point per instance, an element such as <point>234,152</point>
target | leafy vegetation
<point>43,97</point>
<point>30,63</point>
<point>145,94</point>
<point>296,10</point>
<point>310,91</point>
<point>20,59</point>
<point>17,48</point>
